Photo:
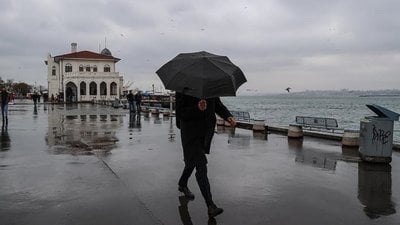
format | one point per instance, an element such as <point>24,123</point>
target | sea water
<point>281,110</point>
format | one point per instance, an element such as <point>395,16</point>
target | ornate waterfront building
<point>83,76</point>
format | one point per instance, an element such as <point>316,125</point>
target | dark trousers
<point>202,181</point>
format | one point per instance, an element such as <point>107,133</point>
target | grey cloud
<point>276,43</point>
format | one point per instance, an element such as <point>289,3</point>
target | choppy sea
<point>281,110</point>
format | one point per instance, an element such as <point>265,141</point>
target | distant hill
<point>346,92</point>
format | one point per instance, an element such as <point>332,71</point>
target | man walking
<point>196,120</point>
<point>131,100</point>
<point>138,99</point>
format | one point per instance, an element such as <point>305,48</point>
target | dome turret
<point>106,51</point>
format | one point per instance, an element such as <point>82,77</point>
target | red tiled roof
<point>85,55</point>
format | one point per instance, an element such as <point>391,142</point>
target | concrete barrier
<point>350,138</point>
<point>220,122</point>
<point>227,124</point>
<point>259,126</point>
<point>155,112</point>
<point>295,131</point>
<point>166,114</point>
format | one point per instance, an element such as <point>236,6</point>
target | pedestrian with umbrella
<point>199,79</point>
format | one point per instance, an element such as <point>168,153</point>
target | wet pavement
<point>92,164</point>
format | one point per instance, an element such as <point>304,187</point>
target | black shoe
<point>214,211</point>
<point>186,192</point>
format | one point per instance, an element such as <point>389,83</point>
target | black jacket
<point>197,127</point>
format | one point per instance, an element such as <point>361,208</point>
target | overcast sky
<point>302,44</point>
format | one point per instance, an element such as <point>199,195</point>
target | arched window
<point>103,88</point>
<point>83,88</point>
<point>53,70</point>
<point>107,68</point>
<point>93,88</point>
<point>68,68</point>
<point>113,88</point>
<point>81,68</point>
<point>94,68</point>
<point>87,68</point>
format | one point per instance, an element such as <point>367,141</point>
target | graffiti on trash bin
<point>380,135</point>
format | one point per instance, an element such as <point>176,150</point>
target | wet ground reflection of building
<point>375,189</point>
<point>313,157</point>
<point>83,129</point>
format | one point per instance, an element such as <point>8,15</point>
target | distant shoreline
<point>380,95</point>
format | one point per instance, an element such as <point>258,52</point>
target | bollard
<point>259,126</point>
<point>295,131</point>
<point>220,129</point>
<point>350,138</point>
<point>166,114</point>
<point>220,122</point>
<point>155,112</point>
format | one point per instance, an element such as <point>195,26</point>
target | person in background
<point>138,99</point>
<point>52,98</point>
<point>4,98</point>
<point>131,100</point>
<point>35,97</point>
<point>196,120</point>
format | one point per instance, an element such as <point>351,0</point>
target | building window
<point>87,68</point>
<point>113,88</point>
<point>107,68</point>
<point>94,68</point>
<point>83,88</point>
<point>103,88</point>
<point>80,68</point>
<point>53,70</point>
<point>68,68</point>
<point>93,88</point>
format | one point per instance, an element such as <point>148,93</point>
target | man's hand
<point>232,121</point>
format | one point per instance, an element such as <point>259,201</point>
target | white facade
<point>83,76</point>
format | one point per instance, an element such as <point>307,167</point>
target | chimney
<point>74,46</point>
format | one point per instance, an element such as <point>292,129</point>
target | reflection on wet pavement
<point>184,211</point>
<point>134,120</point>
<point>375,189</point>
<point>257,179</point>
<point>311,156</point>
<point>185,215</point>
<point>71,132</point>
<point>4,138</point>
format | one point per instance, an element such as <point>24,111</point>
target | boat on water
<point>159,98</point>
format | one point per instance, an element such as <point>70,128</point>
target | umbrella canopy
<point>202,75</point>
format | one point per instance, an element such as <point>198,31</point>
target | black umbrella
<point>202,75</point>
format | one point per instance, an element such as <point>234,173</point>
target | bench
<point>241,116</point>
<point>317,122</point>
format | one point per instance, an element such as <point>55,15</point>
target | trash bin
<point>376,135</point>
